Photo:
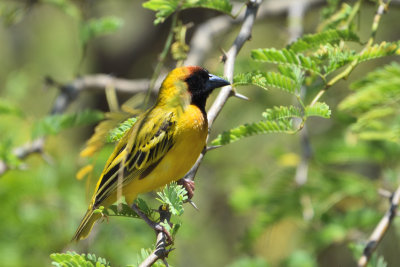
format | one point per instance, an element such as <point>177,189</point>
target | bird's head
<point>193,84</point>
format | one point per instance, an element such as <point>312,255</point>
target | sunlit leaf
<point>256,128</point>
<point>72,259</point>
<point>266,80</point>
<point>282,112</point>
<point>379,50</point>
<point>337,19</point>
<point>375,104</point>
<point>311,41</point>
<point>286,57</point>
<point>318,109</point>
<point>173,195</point>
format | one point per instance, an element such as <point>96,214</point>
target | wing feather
<point>138,152</point>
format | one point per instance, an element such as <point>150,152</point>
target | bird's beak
<point>215,82</point>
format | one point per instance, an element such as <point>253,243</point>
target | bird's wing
<point>138,153</point>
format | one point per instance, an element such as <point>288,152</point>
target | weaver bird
<point>161,146</point>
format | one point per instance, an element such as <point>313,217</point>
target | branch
<point>97,82</point>
<point>201,44</point>
<point>227,91</point>
<point>160,252</point>
<point>68,93</point>
<point>380,229</point>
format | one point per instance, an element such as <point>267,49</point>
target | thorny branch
<point>162,241</point>
<point>227,91</point>
<point>380,229</point>
<point>160,252</point>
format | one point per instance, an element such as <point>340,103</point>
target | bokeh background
<point>250,210</point>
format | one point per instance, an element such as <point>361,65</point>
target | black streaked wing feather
<point>146,150</point>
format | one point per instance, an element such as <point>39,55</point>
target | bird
<point>160,147</point>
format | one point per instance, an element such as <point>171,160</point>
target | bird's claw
<point>189,187</point>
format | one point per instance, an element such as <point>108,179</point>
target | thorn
<point>165,262</point>
<point>240,96</point>
<point>193,205</point>
<point>212,147</point>
<point>223,56</point>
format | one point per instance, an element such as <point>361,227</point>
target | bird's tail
<point>86,224</point>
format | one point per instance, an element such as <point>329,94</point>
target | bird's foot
<point>189,187</point>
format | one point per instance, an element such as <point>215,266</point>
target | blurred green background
<point>251,212</point>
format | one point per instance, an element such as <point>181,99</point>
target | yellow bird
<point>161,146</point>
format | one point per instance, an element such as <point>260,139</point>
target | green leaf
<point>282,112</point>
<point>7,108</point>
<point>336,57</point>
<point>117,133</point>
<point>311,41</point>
<point>144,207</point>
<point>72,259</point>
<point>329,9</point>
<point>98,27</point>
<point>339,18</point>
<point>256,128</point>
<point>379,50</point>
<point>121,209</point>
<point>53,124</point>
<point>375,104</point>
<point>7,155</point>
<point>173,195</point>
<point>293,72</point>
<point>164,8</point>
<point>286,57</point>
<point>318,109</point>
<point>380,87</point>
<point>267,79</point>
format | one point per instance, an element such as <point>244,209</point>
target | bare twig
<point>380,229</point>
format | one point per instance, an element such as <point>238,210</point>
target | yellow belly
<point>190,139</point>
